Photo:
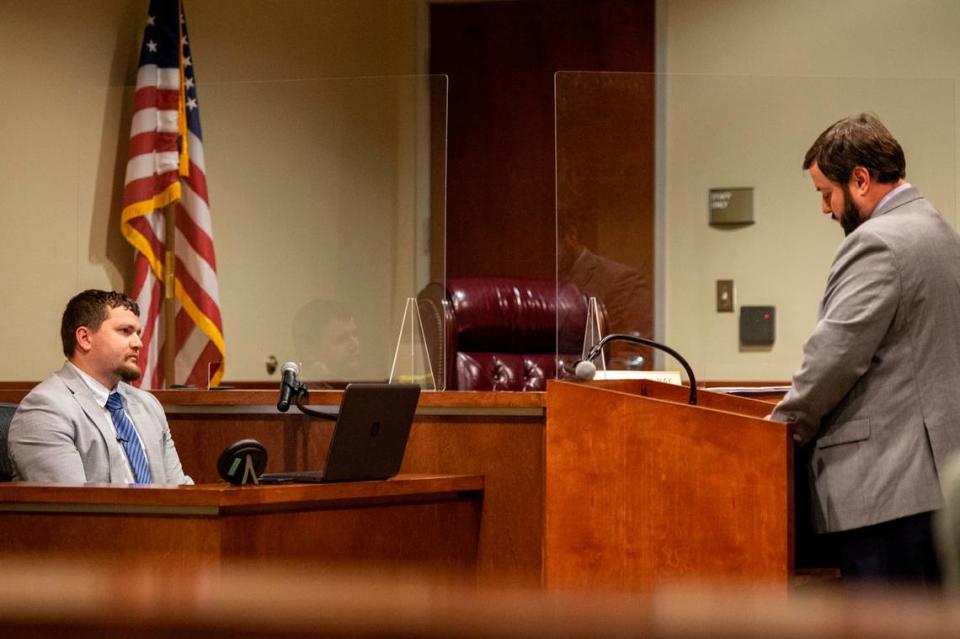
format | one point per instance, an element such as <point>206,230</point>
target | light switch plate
<point>724,296</point>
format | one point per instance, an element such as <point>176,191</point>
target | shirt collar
<point>100,392</point>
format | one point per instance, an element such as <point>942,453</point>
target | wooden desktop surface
<point>424,521</point>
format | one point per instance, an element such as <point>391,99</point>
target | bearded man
<point>876,396</point>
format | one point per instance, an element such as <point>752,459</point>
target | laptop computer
<point>369,438</point>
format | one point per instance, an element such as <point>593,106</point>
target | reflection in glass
<point>326,341</point>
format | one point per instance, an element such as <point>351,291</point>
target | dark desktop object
<point>369,438</point>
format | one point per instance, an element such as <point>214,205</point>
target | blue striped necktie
<point>128,437</point>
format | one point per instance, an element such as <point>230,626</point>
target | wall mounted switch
<point>724,296</point>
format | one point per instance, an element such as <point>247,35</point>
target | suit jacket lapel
<point>95,413</point>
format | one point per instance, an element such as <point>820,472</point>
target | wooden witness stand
<point>607,485</point>
<point>417,522</point>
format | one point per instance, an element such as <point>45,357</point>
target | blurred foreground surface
<point>41,598</point>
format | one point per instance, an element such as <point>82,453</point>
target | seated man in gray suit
<point>876,396</point>
<point>85,423</point>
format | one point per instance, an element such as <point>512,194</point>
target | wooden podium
<point>642,488</point>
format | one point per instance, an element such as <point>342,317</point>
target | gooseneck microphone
<point>292,389</point>
<point>585,369</point>
<point>289,385</point>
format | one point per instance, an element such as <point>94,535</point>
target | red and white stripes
<point>166,169</point>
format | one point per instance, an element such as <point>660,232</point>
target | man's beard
<point>128,372</point>
<point>850,218</point>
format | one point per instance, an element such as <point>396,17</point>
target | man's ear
<point>84,338</point>
<point>860,180</point>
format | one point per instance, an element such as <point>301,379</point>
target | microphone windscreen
<point>291,366</point>
<point>585,370</point>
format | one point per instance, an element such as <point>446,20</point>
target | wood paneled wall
<point>501,58</point>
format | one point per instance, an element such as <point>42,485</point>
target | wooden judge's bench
<point>606,485</point>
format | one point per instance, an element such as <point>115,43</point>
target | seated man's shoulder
<point>48,407</point>
<point>50,388</point>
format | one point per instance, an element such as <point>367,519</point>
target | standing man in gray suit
<point>877,395</point>
<point>85,423</point>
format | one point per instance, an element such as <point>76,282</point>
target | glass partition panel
<point>605,210</point>
<point>643,159</point>
<point>327,205</point>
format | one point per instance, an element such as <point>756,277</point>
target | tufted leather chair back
<point>501,333</point>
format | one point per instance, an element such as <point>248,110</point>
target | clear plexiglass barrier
<point>682,206</point>
<point>327,205</point>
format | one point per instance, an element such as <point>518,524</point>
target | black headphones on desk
<point>242,462</point>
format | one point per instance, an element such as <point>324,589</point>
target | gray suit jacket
<point>623,290</point>
<point>878,394</point>
<point>61,435</point>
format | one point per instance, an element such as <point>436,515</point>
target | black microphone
<point>289,385</point>
<point>585,369</point>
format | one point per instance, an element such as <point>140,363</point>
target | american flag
<point>166,169</point>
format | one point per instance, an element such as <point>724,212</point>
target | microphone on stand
<point>585,369</point>
<point>289,385</point>
<point>291,389</point>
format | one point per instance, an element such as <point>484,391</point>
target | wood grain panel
<point>501,58</point>
<point>439,535</point>
<point>641,491</point>
<point>114,537</point>
<point>293,442</point>
<point>297,442</point>
<point>429,522</point>
<point>508,452</point>
<point>681,395</point>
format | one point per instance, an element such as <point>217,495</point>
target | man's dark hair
<point>90,309</point>
<point>859,140</point>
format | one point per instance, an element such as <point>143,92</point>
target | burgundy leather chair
<point>495,333</point>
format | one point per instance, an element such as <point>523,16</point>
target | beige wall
<point>292,163</point>
<point>785,67</point>
<point>750,84</point>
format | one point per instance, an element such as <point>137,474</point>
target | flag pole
<point>169,304</point>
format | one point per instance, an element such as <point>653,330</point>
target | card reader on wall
<point>757,325</point>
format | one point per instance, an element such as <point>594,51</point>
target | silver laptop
<point>369,438</point>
